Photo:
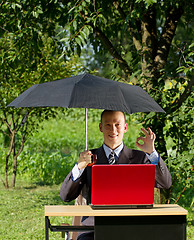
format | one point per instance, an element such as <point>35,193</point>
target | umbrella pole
<point>86,147</point>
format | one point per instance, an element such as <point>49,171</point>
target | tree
<point>147,40</point>
<point>150,44</point>
<point>20,68</point>
<point>140,37</point>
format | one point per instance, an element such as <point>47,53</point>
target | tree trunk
<point>14,171</point>
<point>6,172</point>
<point>149,41</point>
<point>12,137</point>
<point>15,158</point>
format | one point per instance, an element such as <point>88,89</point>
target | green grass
<point>190,224</point>
<point>22,212</point>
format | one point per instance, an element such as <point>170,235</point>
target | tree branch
<point>149,41</point>
<point>173,16</point>
<point>182,190</point>
<point>136,41</point>
<point>8,125</point>
<point>122,63</point>
<point>21,146</point>
<point>149,32</point>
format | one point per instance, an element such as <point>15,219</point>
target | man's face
<point>113,127</point>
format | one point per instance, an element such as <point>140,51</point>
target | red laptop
<point>123,186</point>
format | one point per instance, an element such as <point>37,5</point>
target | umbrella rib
<point>124,102</point>
<point>73,90</point>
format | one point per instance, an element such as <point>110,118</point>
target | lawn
<point>22,212</point>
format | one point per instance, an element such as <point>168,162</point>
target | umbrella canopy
<point>88,91</point>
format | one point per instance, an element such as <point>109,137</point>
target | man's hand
<point>148,141</point>
<point>84,159</point>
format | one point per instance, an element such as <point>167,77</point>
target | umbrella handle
<point>86,133</point>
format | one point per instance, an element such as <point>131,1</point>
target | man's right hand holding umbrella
<point>84,159</point>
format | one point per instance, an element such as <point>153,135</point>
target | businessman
<point>113,151</point>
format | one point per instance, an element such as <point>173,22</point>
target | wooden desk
<point>160,222</point>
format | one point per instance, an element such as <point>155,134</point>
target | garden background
<point>148,43</point>
<point>45,161</point>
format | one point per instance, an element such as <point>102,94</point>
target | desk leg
<point>47,223</point>
<point>138,228</point>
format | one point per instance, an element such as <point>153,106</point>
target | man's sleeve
<point>76,172</point>
<point>153,157</point>
<point>162,175</point>
<point>70,189</point>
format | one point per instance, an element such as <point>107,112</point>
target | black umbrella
<point>88,91</point>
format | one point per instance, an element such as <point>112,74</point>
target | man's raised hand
<point>148,141</point>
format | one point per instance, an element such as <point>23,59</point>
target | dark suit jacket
<point>70,189</point>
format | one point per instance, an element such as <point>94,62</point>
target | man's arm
<point>70,189</point>
<point>75,180</point>
<point>162,176</point>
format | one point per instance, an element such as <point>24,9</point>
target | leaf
<point>75,24</point>
<point>83,34</point>
<point>64,40</point>
<point>78,40</point>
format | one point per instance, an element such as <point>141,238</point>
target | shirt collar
<point>117,151</point>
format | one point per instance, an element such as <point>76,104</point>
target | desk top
<point>85,210</point>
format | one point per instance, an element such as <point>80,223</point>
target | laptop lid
<point>123,184</point>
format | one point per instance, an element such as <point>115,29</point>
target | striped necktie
<point>111,158</point>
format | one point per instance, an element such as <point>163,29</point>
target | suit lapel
<point>125,156</point>
<point>101,156</point>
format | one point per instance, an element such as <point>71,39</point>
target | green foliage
<point>50,154</point>
<point>57,148</point>
<point>134,37</point>
<point>145,41</point>
<point>182,175</point>
<point>188,67</point>
<point>22,66</point>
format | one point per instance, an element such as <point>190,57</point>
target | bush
<point>181,169</point>
<point>51,153</point>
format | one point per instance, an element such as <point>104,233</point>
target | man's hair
<point>110,111</point>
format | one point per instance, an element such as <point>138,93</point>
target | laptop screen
<point>123,184</point>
